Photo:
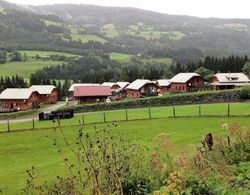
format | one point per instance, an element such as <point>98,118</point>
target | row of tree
<point>97,69</point>
<point>12,82</point>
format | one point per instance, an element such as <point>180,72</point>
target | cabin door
<point>11,106</point>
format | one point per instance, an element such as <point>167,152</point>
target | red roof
<point>87,91</point>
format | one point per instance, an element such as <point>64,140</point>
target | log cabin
<point>187,82</point>
<point>164,85</point>
<point>15,99</point>
<point>141,88</point>
<point>48,94</point>
<point>229,81</point>
<point>91,94</point>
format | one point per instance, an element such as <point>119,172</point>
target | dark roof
<point>87,91</point>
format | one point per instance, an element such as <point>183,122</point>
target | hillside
<point>81,29</point>
<point>229,35</point>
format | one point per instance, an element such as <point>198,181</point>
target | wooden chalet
<point>164,85</point>
<point>229,81</point>
<point>187,82</point>
<point>48,94</point>
<point>122,92</point>
<point>91,94</point>
<point>141,88</point>
<point>15,99</point>
<point>72,87</point>
<point>113,86</point>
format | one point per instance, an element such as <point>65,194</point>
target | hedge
<point>168,100</point>
<point>13,115</point>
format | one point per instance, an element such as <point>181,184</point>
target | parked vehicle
<point>62,114</point>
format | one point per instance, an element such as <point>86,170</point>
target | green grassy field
<point>155,35</point>
<point>33,53</point>
<point>25,68</point>
<point>84,37</point>
<point>110,30</point>
<point>120,57</point>
<point>48,22</point>
<point>22,150</point>
<point>168,61</point>
<point>142,113</point>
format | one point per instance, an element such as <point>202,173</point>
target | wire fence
<point>213,110</point>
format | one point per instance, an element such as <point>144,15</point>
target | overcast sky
<point>201,8</point>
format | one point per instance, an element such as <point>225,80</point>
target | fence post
<point>104,117</point>
<point>228,110</point>
<point>8,125</point>
<point>126,114</point>
<point>174,112</point>
<point>149,113</point>
<point>33,124</point>
<point>83,120</point>
<point>199,111</point>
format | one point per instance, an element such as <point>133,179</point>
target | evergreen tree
<point>16,56</point>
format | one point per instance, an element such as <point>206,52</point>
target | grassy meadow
<point>110,30</point>
<point>33,53</point>
<point>22,150</point>
<point>208,110</point>
<point>167,61</point>
<point>156,35</point>
<point>48,22</point>
<point>76,35</point>
<point>120,57</point>
<point>24,69</point>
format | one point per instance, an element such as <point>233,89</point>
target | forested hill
<point>230,35</point>
<point>81,28</point>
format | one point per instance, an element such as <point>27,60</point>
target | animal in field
<point>209,141</point>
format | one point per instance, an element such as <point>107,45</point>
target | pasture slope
<point>26,68</point>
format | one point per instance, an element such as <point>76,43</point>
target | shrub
<point>103,165</point>
<point>241,178</point>
<point>245,92</point>
<point>13,115</point>
<point>206,186</point>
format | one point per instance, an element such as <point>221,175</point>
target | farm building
<point>229,80</point>
<point>91,94</point>
<point>48,93</point>
<point>164,85</point>
<point>141,88</point>
<point>186,82</point>
<point>18,99</point>
<point>72,87</point>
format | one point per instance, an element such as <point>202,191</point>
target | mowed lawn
<point>22,150</point>
<point>236,109</point>
<point>24,68</point>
